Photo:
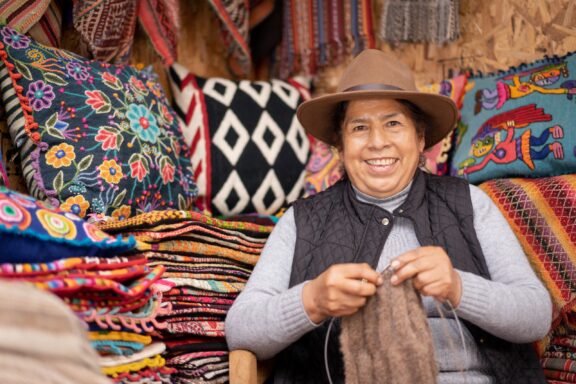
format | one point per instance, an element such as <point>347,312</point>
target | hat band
<point>373,87</point>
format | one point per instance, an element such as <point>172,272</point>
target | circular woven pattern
<point>56,225</point>
<point>12,215</point>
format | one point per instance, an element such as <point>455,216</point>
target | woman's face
<point>380,146</point>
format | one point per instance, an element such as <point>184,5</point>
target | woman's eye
<point>392,123</point>
<point>357,128</point>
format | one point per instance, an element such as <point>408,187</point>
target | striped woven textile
<point>234,16</point>
<point>320,33</point>
<point>22,14</point>
<point>542,213</point>
<point>160,19</point>
<point>207,262</point>
<point>48,31</point>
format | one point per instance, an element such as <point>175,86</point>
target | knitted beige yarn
<point>388,341</point>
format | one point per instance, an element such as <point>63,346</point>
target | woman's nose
<point>378,138</point>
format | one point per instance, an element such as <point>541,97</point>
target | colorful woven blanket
<point>542,213</point>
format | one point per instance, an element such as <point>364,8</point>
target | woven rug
<point>542,213</point>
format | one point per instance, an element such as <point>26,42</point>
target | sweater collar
<point>363,209</point>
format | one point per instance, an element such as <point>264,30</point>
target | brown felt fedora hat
<point>375,74</point>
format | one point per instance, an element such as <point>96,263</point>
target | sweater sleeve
<point>268,316</point>
<point>513,305</point>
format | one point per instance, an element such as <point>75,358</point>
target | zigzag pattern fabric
<point>542,213</point>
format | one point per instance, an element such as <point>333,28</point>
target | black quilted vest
<point>335,227</point>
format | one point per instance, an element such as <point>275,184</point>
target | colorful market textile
<point>320,33</point>
<point>207,262</point>
<point>34,231</point>
<point>107,27</point>
<point>542,213</point>
<point>48,31</point>
<point>63,284</point>
<point>205,367</point>
<point>518,123</point>
<point>94,138</point>
<point>148,375</point>
<point>437,156</point>
<point>74,263</point>
<point>436,21</point>
<point>247,147</point>
<point>141,320</point>
<point>235,17</point>
<point>150,219</point>
<point>160,19</point>
<point>118,343</point>
<point>22,14</point>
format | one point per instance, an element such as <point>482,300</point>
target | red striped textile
<point>22,14</point>
<point>320,33</point>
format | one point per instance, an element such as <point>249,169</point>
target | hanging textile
<point>319,33</point>
<point>160,20</point>
<point>107,27</point>
<point>234,15</point>
<point>22,14</point>
<point>434,21</point>
<point>48,30</point>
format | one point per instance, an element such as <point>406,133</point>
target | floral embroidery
<point>60,156</point>
<point>14,39</point>
<point>143,123</point>
<point>77,71</point>
<point>40,95</point>
<point>76,204</point>
<point>121,213</point>
<point>111,171</point>
<point>104,132</point>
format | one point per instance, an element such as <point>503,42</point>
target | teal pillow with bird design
<point>519,123</point>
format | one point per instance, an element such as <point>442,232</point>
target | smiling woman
<point>323,257</point>
<point>380,146</point>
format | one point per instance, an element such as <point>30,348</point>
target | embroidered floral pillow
<point>93,137</point>
<point>33,231</point>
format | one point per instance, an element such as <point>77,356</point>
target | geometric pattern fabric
<point>247,148</point>
<point>542,213</point>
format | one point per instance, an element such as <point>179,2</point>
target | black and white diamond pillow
<point>248,149</point>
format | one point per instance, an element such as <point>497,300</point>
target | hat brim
<point>316,115</point>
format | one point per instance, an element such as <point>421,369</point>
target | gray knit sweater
<point>267,316</point>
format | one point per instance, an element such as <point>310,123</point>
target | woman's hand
<point>340,290</point>
<point>432,273</point>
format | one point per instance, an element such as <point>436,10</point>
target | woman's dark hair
<point>420,118</point>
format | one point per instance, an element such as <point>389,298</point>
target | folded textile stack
<point>559,357</point>
<point>207,261</point>
<point>116,298</point>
